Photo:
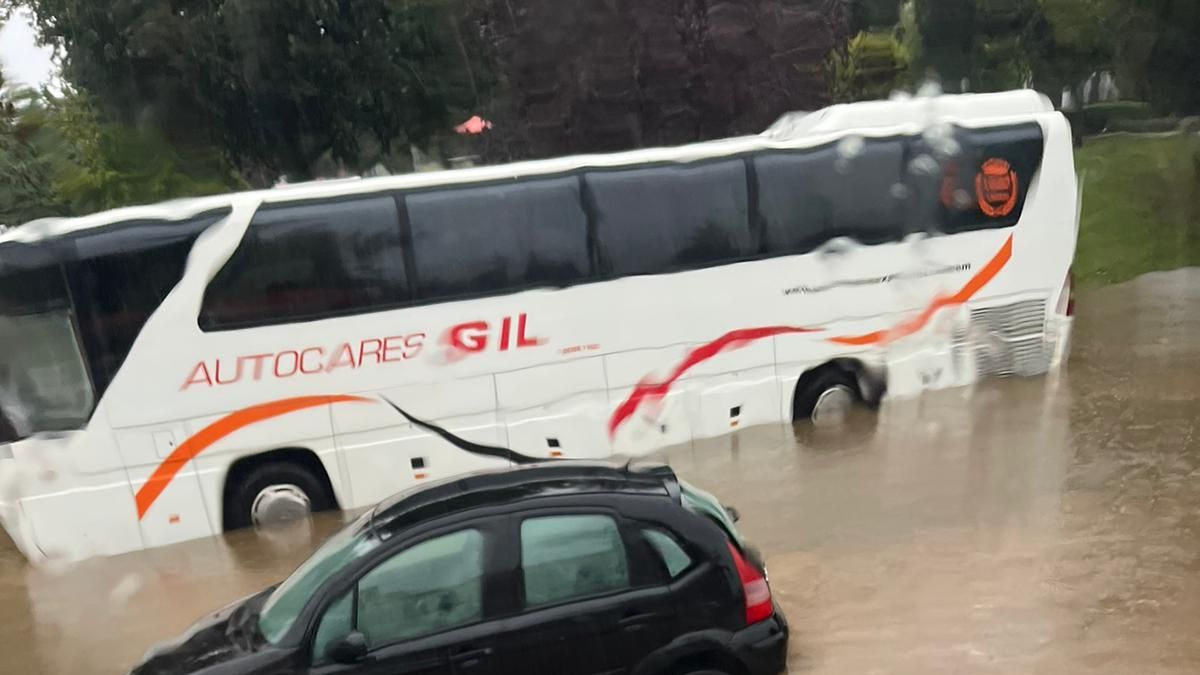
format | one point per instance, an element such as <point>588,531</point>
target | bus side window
<point>807,197</point>
<point>490,239</point>
<point>668,218</point>
<point>309,260</point>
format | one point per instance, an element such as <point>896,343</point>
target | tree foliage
<point>57,158</point>
<point>1151,45</point>
<point>871,67</point>
<point>276,83</point>
<point>27,149</point>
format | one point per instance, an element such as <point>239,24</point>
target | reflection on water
<point>1043,525</point>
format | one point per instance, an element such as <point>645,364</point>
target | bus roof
<point>791,130</point>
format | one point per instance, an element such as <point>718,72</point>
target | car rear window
<point>674,559</point>
<point>700,502</point>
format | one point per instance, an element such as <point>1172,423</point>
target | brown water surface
<point>1046,525</point>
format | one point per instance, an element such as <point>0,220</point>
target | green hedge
<point>1099,117</point>
<point>1154,124</point>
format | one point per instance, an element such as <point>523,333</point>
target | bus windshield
<point>44,384</point>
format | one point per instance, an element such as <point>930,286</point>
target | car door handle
<point>471,657</point>
<point>639,619</point>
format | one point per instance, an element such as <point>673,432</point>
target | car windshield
<point>44,384</point>
<point>289,598</point>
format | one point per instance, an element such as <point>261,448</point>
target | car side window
<point>433,586</point>
<point>569,557</point>
<point>674,559</point>
<point>336,624</point>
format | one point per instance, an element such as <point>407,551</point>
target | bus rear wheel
<point>273,493</point>
<point>825,397</point>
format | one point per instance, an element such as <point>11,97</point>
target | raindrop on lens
<point>929,89</point>
<point>940,137</point>
<point>850,147</point>
<point>923,165</point>
<point>962,200</point>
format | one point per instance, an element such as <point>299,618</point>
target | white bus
<point>173,371</point>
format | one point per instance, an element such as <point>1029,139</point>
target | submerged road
<point>1046,525</point>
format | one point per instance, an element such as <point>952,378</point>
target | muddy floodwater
<point>1047,525</point>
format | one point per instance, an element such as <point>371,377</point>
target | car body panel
<point>648,627</point>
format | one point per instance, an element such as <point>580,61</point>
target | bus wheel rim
<point>276,504</point>
<point>832,406</point>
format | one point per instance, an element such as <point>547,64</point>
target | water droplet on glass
<point>850,147</point>
<point>923,165</point>
<point>56,564</point>
<point>900,191</point>
<point>125,589</point>
<point>940,137</point>
<point>835,248</point>
<point>929,89</point>
<point>962,200</point>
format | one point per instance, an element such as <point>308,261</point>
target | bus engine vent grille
<point>1010,339</point>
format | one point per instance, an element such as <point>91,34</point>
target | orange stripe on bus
<point>905,328</point>
<point>214,432</point>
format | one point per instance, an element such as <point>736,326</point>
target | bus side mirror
<point>350,649</point>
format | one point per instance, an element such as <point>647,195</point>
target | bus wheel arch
<point>282,482</point>
<point>837,379</point>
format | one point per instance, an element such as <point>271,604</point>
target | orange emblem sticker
<point>996,188</point>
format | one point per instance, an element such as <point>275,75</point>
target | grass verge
<point>1141,206</point>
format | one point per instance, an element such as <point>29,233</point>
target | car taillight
<point>1070,292</point>
<point>1066,299</point>
<point>754,587</point>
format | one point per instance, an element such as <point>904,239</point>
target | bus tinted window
<point>119,278</point>
<point>986,184</point>
<point>807,197</point>
<point>668,218</point>
<point>489,239</point>
<point>306,261</point>
<point>43,381</point>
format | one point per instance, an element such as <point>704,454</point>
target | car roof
<point>494,487</point>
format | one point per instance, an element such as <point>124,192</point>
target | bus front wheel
<point>275,492</point>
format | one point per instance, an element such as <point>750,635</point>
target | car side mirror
<point>350,649</point>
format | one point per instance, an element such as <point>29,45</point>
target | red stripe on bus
<point>905,328</point>
<point>214,432</point>
<point>736,339</point>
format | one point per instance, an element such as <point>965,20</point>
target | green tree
<point>1151,45</point>
<point>1157,49</point>
<point>277,83</point>
<point>1010,38</point>
<point>27,146</point>
<point>58,159</point>
<point>873,14</point>
<point>947,33</point>
<point>870,68</point>
<point>112,165</point>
